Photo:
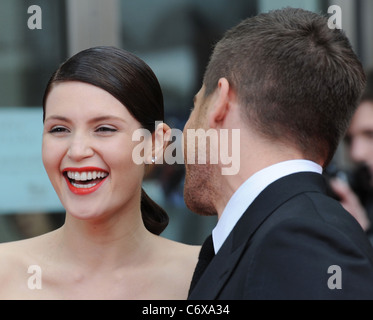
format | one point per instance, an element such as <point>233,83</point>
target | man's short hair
<point>298,81</point>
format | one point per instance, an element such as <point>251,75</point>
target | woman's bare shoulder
<point>13,269</point>
<point>181,250</point>
<point>26,248</point>
<point>175,265</point>
<point>20,261</point>
<point>13,252</point>
<point>182,257</point>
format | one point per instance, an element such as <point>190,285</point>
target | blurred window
<point>28,57</point>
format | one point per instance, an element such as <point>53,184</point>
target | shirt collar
<point>250,189</point>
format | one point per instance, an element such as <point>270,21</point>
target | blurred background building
<point>174,37</point>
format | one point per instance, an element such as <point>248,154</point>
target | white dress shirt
<point>250,189</point>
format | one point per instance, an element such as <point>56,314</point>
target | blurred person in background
<point>355,188</point>
<point>110,245</point>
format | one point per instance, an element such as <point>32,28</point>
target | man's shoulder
<point>309,223</point>
<point>292,254</point>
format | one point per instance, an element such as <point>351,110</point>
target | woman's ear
<point>160,139</point>
<point>220,106</point>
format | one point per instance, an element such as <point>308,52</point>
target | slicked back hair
<point>298,81</point>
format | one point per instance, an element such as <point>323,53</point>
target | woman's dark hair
<point>132,82</point>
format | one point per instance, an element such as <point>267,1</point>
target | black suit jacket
<point>285,243</point>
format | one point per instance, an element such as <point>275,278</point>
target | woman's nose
<point>80,147</point>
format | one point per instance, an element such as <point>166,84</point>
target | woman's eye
<point>58,130</point>
<point>106,129</point>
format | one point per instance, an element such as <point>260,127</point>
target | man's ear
<point>160,139</point>
<point>220,106</point>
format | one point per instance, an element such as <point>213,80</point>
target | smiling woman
<point>123,79</point>
<point>109,246</point>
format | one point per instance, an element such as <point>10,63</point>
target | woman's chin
<point>84,214</point>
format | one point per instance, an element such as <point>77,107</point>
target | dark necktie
<point>205,256</point>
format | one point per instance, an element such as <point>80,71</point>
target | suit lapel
<point>222,265</point>
<point>217,272</point>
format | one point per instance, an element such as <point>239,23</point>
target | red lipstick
<point>85,180</point>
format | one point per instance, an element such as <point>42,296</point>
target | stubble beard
<point>199,189</point>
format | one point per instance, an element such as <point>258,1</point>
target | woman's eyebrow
<point>107,117</point>
<point>57,117</point>
<point>93,120</point>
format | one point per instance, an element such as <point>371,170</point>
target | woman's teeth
<point>86,176</point>
<point>86,179</point>
<point>83,186</point>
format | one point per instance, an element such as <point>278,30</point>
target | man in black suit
<point>290,85</point>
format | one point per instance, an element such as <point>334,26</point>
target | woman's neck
<point>119,240</point>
